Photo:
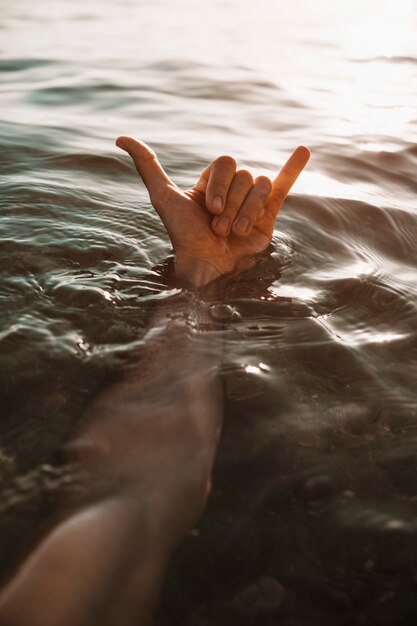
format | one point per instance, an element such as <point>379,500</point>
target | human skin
<point>145,451</point>
<point>147,442</point>
<point>203,249</point>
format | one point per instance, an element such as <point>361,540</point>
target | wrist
<point>196,272</point>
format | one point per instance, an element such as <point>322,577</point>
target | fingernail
<point>242,224</point>
<point>217,203</point>
<point>222,224</point>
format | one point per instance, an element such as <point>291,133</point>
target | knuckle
<point>251,209</point>
<point>278,195</point>
<point>218,186</point>
<point>232,207</point>
<point>225,160</point>
<point>264,185</point>
<point>150,155</point>
<point>243,177</point>
<point>162,196</point>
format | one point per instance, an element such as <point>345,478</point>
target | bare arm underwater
<point>148,442</point>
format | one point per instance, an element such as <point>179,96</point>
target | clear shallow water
<point>315,480</point>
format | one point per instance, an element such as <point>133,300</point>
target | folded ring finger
<point>239,189</point>
<point>252,206</point>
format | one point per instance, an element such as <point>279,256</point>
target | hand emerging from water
<point>225,220</point>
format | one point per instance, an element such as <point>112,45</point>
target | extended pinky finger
<point>287,177</point>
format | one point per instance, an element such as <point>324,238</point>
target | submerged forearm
<point>146,449</point>
<point>79,574</point>
<point>164,414</point>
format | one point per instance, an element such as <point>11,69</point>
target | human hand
<point>225,220</point>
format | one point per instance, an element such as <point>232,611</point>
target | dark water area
<point>313,513</point>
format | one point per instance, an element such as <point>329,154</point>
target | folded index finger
<point>287,177</point>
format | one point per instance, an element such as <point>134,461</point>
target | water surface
<point>314,488</point>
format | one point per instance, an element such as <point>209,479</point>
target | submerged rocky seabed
<point>312,517</point>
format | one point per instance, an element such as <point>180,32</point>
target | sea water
<point>312,517</point>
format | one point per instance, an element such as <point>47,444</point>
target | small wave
<point>92,163</point>
<point>383,166</point>
<point>20,65</point>
<point>388,59</point>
